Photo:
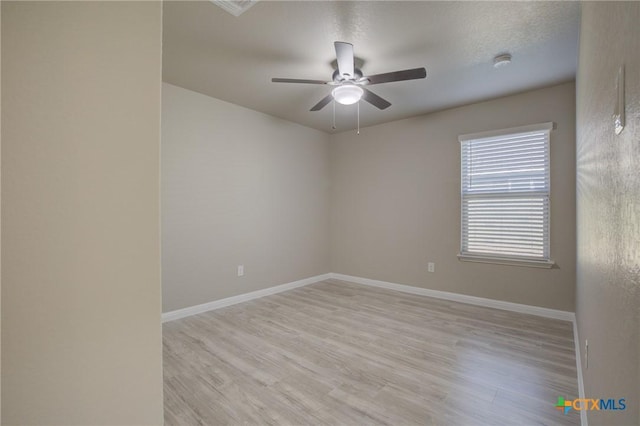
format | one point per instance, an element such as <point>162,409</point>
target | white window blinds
<point>505,194</point>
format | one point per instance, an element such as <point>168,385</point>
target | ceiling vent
<point>235,7</point>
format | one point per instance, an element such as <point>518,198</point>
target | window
<point>505,196</point>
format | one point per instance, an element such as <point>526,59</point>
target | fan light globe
<point>347,94</point>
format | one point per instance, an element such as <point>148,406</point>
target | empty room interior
<point>320,213</point>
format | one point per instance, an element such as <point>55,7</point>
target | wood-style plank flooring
<point>344,354</point>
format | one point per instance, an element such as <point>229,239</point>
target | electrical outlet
<point>240,270</point>
<point>431,267</point>
<point>586,354</point>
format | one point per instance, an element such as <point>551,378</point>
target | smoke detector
<point>502,60</point>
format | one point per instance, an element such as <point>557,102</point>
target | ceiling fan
<point>349,80</point>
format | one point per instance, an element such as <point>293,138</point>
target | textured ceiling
<point>233,58</point>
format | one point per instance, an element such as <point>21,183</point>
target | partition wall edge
<point>81,295</point>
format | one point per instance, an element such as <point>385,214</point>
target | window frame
<point>496,258</point>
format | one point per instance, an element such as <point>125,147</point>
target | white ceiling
<point>233,58</point>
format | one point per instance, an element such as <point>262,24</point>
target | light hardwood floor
<point>345,354</point>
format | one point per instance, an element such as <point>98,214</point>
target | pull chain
<point>334,115</point>
<point>358,117</point>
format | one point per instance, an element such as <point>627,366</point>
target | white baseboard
<point>462,298</point>
<point>455,297</point>
<point>222,303</point>
<point>576,340</point>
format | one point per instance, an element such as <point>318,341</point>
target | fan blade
<point>296,80</point>
<point>344,55</point>
<point>322,103</point>
<point>412,74</point>
<point>375,100</point>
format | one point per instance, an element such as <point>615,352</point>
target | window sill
<point>545,264</point>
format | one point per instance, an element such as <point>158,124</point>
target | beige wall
<point>238,188</point>
<point>80,189</point>
<point>396,201</point>
<point>608,206</point>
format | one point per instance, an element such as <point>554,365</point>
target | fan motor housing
<point>338,78</point>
